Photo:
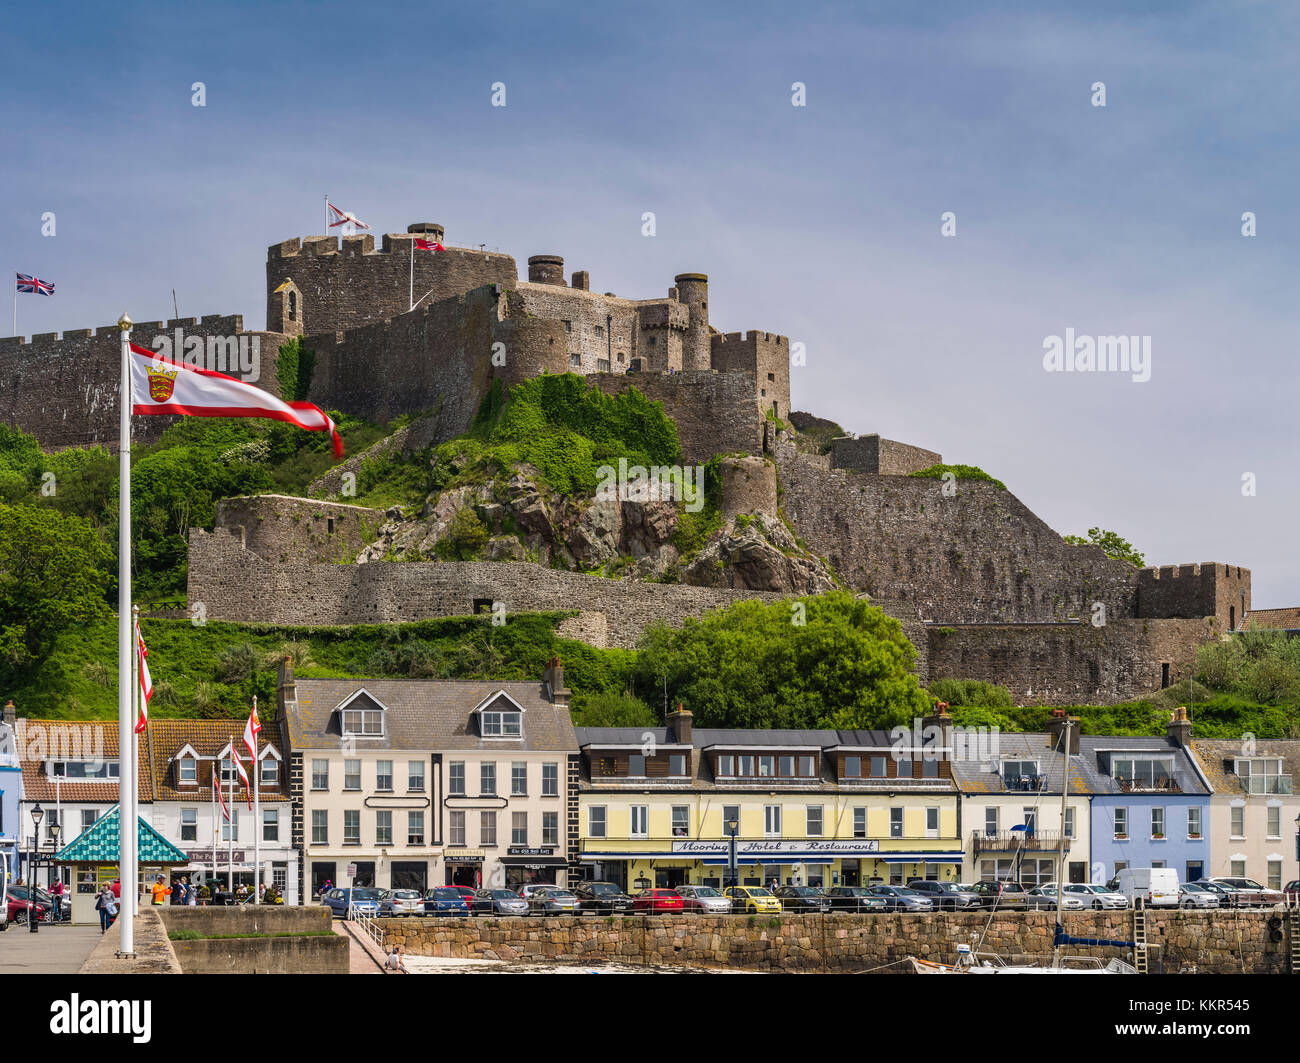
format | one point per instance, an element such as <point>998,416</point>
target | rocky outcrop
<point>761,555</point>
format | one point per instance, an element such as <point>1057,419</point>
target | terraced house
<point>415,783</point>
<point>816,807</point>
<point>1254,813</point>
<point>1011,807</point>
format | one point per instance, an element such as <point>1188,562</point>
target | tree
<point>1112,544</point>
<point>605,709</point>
<point>53,576</point>
<point>847,665</point>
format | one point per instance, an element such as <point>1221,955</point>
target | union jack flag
<point>34,285</point>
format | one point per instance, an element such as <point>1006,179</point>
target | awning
<point>534,861</point>
<point>920,858</point>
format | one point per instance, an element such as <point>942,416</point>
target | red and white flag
<point>428,245</point>
<point>163,386</point>
<point>252,729</point>
<point>216,785</point>
<point>243,775</point>
<point>343,217</point>
<point>146,680</point>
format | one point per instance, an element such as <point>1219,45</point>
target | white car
<point>1193,895</point>
<point>1044,897</point>
<point>1090,896</point>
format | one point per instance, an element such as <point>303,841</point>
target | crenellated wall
<point>764,354</point>
<point>1207,589</point>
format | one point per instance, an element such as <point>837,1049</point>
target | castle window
<point>620,357</point>
<point>331,525</point>
<point>293,306</point>
<point>652,340</point>
<point>704,306</point>
<point>1164,675</point>
<point>568,326</point>
<point>771,376</point>
<point>575,359</point>
<point>600,330</point>
<point>602,365</point>
<point>762,391</point>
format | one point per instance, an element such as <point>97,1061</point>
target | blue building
<point>11,792</point>
<point>1150,805</point>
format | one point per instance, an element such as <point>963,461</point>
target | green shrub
<point>962,472</point>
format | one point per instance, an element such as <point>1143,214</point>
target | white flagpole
<point>216,828</point>
<point>133,796</point>
<point>327,215</point>
<point>127,867</point>
<point>230,834</point>
<point>15,303</point>
<point>257,821</point>
<point>411,296</point>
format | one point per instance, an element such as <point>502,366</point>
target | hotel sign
<point>807,847</point>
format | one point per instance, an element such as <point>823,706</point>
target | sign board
<point>808,847</point>
<point>531,850</point>
<point>206,856</point>
<point>352,870</point>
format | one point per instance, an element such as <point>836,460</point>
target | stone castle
<point>983,587</point>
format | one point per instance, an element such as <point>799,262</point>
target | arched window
<point>293,306</point>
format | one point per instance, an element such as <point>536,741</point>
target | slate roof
<point>1097,750</point>
<point>98,844</point>
<point>427,714</point>
<point>60,739</point>
<point>1215,756</point>
<point>208,738</point>
<point>979,775</point>
<point>1272,619</point>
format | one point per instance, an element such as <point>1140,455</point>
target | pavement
<point>363,956</point>
<point>54,949</point>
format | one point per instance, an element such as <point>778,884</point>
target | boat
<point>970,962</point>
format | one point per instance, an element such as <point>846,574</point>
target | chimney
<point>11,713</point>
<point>943,722</point>
<point>1179,729</point>
<point>286,690</point>
<point>581,280</point>
<point>1057,724</point>
<point>554,679</point>
<point>682,721</point>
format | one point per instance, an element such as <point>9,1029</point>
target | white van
<point>1156,886</point>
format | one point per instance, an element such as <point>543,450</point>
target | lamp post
<point>1297,854</point>
<point>38,814</point>
<point>733,826</point>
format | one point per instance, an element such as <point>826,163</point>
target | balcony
<point>1022,782</point>
<point>1162,785</point>
<point>1266,784</point>
<point>1012,841</point>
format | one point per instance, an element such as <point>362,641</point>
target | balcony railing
<point>1005,841</point>
<point>1267,784</point>
<point>1022,782</point>
<point>1160,785</point>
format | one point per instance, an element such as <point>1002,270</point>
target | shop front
<point>464,867</point>
<point>532,865</point>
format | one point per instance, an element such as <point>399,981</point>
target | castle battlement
<point>1196,569</point>
<point>364,244</point>
<point>224,324</point>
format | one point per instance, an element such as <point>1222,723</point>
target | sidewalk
<point>54,949</point>
<point>363,956</point>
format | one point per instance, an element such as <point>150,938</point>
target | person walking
<point>191,894</point>
<point>161,891</point>
<point>106,905</point>
<point>56,895</point>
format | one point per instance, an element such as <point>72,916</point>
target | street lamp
<point>38,814</point>
<point>733,826</point>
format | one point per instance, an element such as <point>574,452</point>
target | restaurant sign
<point>807,847</point>
<point>531,850</point>
<point>205,856</point>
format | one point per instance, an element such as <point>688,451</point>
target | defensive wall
<point>885,457</point>
<point>1225,942</point>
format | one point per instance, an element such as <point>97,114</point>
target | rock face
<point>515,519</point>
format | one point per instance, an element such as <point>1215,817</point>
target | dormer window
<point>1144,773</point>
<point>1020,774</point>
<point>361,716</point>
<point>187,771</point>
<point>502,724</point>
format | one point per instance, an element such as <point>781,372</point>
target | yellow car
<point>754,899</point>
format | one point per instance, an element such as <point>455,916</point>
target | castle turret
<point>546,269</point>
<point>429,230</point>
<point>693,290</point>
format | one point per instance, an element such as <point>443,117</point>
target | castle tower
<point>429,230</point>
<point>693,290</point>
<point>284,310</point>
<point>546,269</point>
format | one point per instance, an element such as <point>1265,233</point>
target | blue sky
<point>820,222</point>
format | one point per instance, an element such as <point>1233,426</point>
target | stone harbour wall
<point>1228,942</point>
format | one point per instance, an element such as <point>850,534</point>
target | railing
<point>1266,784</point>
<point>1012,840</point>
<point>368,926</point>
<point>1130,786</point>
<point>1022,782</point>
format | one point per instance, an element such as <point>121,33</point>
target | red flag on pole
<point>216,785</point>
<point>146,680</point>
<point>243,775</point>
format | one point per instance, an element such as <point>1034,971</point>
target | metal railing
<point>1015,840</point>
<point>368,926</point>
<point>1266,784</point>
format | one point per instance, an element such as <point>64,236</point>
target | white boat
<point>969,962</point>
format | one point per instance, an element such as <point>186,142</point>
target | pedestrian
<point>106,905</point>
<point>161,891</point>
<point>56,895</point>
<point>117,888</point>
<point>191,894</point>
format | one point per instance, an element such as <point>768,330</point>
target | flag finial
<point>124,322</point>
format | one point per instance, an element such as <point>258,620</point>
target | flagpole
<point>411,296</point>
<point>127,867</point>
<point>216,828</point>
<point>133,796</point>
<point>327,214</point>
<point>230,834</point>
<point>257,821</point>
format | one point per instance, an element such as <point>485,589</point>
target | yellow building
<point>818,808</point>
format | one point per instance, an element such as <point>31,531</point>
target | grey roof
<point>979,774</point>
<point>1097,750</point>
<point>426,714</point>
<point>703,737</point>
<point>1216,757</point>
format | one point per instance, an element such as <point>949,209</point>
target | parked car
<point>552,900</point>
<point>468,892</point>
<point>601,898</point>
<point>1194,895</point>
<point>855,899</point>
<point>526,892</point>
<point>498,902</point>
<point>1292,891</point>
<point>1041,897</point>
<point>16,906</point>
<point>400,902</point>
<point>1226,894</point>
<point>704,899</point>
<point>803,899</point>
<point>445,900</point>
<point>945,894</point>
<point>996,894</point>
<point>658,899</point>
<point>1157,887</point>
<point>753,899</point>
<point>343,901</point>
<point>903,899</point>
<point>1247,893</point>
<point>1093,896</point>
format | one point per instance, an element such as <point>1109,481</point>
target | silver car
<point>704,899</point>
<point>552,900</point>
<point>401,902</point>
<point>1092,896</point>
<point>1192,895</point>
<point>1041,897</point>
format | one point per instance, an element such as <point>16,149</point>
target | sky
<point>820,222</point>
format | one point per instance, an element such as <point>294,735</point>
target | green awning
<point>99,843</point>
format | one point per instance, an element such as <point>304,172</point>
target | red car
<point>16,900</point>
<point>658,900</point>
